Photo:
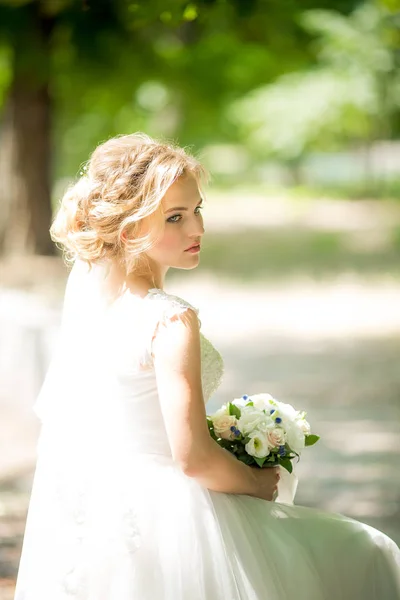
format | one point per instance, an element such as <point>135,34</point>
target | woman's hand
<point>267,480</point>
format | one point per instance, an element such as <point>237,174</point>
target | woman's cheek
<point>170,240</point>
<point>166,244</point>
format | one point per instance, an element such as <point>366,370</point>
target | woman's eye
<point>177,218</point>
<point>174,219</point>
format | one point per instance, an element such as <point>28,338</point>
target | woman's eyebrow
<point>182,207</point>
<point>176,208</point>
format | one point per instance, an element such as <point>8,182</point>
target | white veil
<point>76,504</point>
<point>81,421</point>
<point>78,350</point>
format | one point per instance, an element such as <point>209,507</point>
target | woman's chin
<point>187,265</point>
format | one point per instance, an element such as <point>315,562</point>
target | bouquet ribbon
<point>287,487</point>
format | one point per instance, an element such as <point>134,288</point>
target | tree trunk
<point>25,193</point>
<point>295,171</point>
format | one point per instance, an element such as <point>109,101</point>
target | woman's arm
<point>177,360</point>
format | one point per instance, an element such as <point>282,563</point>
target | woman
<point>132,499</point>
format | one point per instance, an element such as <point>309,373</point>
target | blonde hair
<point>101,216</point>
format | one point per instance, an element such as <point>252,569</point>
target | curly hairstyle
<point>103,216</point>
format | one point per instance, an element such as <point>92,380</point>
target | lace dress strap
<point>165,309</point>
<point>172,306</point>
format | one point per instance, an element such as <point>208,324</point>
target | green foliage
<point>312,439</point>
<point>211,429</point>
<point>167,67</point>
<point>246,459</point>
<point>286,463</point>
<point>234,410</point>
<point>281,77</point>
<point>351,96</point>
<point>5,71</point>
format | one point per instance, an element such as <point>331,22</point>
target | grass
<point>279,254</point>
<point>382,190</point>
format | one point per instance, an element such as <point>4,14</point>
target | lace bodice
<point>211,360</point>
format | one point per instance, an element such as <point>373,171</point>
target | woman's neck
<point>117,282</point>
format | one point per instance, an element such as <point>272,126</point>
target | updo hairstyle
<point>101,216</point>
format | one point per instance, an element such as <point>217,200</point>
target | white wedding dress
<point>112,517</point>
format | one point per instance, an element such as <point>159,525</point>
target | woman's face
<point>179,245</point>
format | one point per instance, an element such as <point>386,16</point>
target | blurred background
<point>294,106</point>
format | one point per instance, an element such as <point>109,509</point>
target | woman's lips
<point>193,249</point>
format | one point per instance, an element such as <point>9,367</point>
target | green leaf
<point>234,411</point>
<point>227,444</point>
<point>311,439</point>
<point>286,463</point>
<point>260,461</point>
<point>246,459</point>
<point>211,429</point>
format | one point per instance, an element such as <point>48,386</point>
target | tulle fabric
<point>112,517</point>
<point>170,539</point>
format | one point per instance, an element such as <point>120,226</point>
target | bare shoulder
<point>176,341</point>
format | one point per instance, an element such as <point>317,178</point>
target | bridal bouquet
<point>260,430</point>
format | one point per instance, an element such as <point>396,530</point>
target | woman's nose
<point>198,227</point>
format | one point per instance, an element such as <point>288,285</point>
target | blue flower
<point>271,412</point>
<point>245,397</point>
<point>282,451</point>
<point>233,428</point>
<point>237,433</point>
<point>278,420</point>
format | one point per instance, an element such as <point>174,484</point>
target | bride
<point>132,499</point>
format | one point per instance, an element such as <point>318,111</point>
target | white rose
<point>240,402</point>
<point>286,411</point>
<point>257,445</point>
<point>263,401</point>
<point>250,420</point>
<point>295,437</point>
<point>304,426</point>
<point>275,437</point>
<point>222,426</point>
<point>266,424</point>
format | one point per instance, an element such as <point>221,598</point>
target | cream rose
<point>257,445</point>
<point>222,426</point>
<point>224,410</point>
<point>275,437</point>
